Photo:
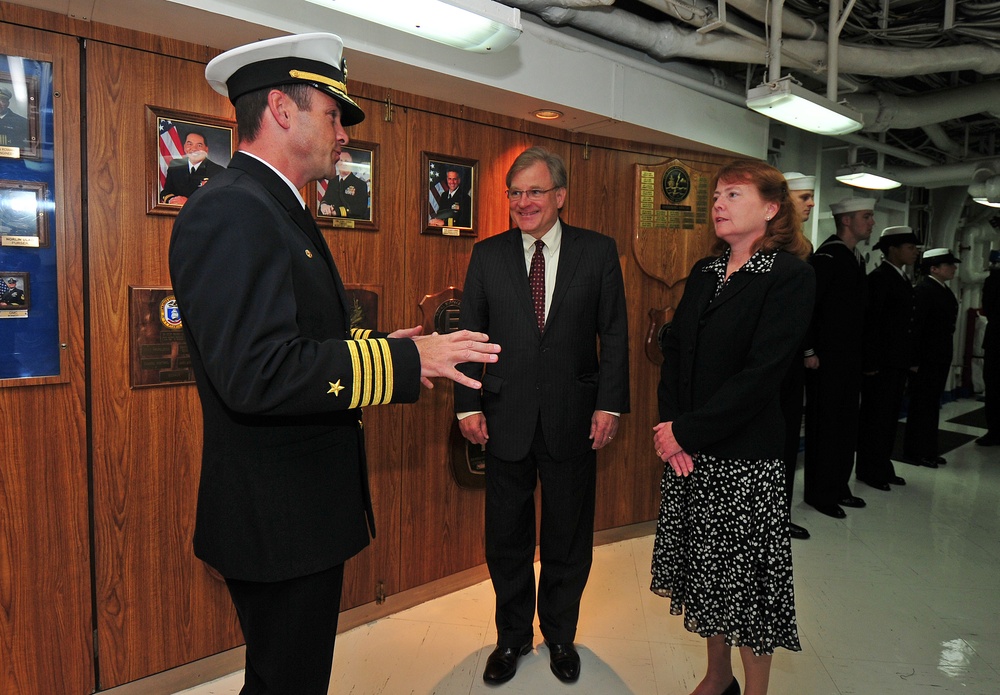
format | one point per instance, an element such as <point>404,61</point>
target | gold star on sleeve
<point>335,388</point>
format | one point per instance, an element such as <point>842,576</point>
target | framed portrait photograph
<point>23,221</point>
<point>185,150</point>
<point>348,200</point>
<point>449,195</point>
<point>19,131</point>
<point>15,292</point>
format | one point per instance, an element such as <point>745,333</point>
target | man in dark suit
<point>191,173</point>
<point>546,292</point>
<point>935,313</point>
<point>346,194</point>
<point>887,357</point>
<point>283,500</point>
<point>833,359</point>
<point>991,352</point>
<point>455,206</point>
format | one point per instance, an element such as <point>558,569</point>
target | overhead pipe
<point>792,24</point>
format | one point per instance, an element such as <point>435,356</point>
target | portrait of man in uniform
<point>349,194</point>
<point>450,195</point>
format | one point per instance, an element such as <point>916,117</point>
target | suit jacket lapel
<point>569,259</point>
<point>738,282</point>
<point>519,274</point>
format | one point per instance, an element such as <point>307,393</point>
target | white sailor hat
<point>937,257</point>
<point>894,236</point>
<point>800,182</point>
<point>852,205</point>
<point>315,59</point>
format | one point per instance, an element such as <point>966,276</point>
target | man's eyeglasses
<point>530,194</point>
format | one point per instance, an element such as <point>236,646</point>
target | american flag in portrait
<point>170,147</point>
<point>436,174</point>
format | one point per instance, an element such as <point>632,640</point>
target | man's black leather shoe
<point>940,460</point>
<point>896,480</point>
<point>796,531</point>
<point>502,663</point>
<point>852,501</point>
<point>926,461</point>
<point>830,510</point>
<point>564,661</point>
<point>884,487</point>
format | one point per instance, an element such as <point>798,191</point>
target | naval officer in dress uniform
<point>283,500</point>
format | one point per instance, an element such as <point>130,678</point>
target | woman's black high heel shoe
<point>733,689</point>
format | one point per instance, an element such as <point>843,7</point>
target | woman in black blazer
<point>722,551</point>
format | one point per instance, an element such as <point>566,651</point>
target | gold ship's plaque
<point>672,231</point>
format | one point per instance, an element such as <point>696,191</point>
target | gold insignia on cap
<point>335,389</point>
<point>316,77</point>
<point>309,254</point>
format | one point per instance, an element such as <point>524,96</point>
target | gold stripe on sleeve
<point>352,347</point>
<point>366,365</point>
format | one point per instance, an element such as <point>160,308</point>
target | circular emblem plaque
<point>170,315</point>
<point>676,184</point>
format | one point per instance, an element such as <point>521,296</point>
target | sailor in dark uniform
<point>935,314</point>
<point>833,359</point>
<point>888,357</point>
<point>801,190</point>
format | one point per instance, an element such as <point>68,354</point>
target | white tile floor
<point>900,597</point>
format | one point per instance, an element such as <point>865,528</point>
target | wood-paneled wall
<point>157,606</point>
<point>45,589</point>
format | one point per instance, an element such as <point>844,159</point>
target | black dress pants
<point>566,542</point>
<point>290,628</point>
<point>926,386</point>
<point>881,400</point>
<point>832,404</point>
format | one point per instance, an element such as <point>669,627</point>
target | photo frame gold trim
<point>27,102</point>
<point>165,144</point>
<point>347,208</point>
<point>23,218</point>
<point>458,218</point>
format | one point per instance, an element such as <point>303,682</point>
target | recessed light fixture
<point>547,114</point>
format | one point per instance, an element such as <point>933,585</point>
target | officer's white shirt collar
<point>298,196</point>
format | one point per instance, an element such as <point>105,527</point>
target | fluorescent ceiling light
<point>482,26</point>
<point>986,201</point>
<point>863,176</point>
<point>790,103</point>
